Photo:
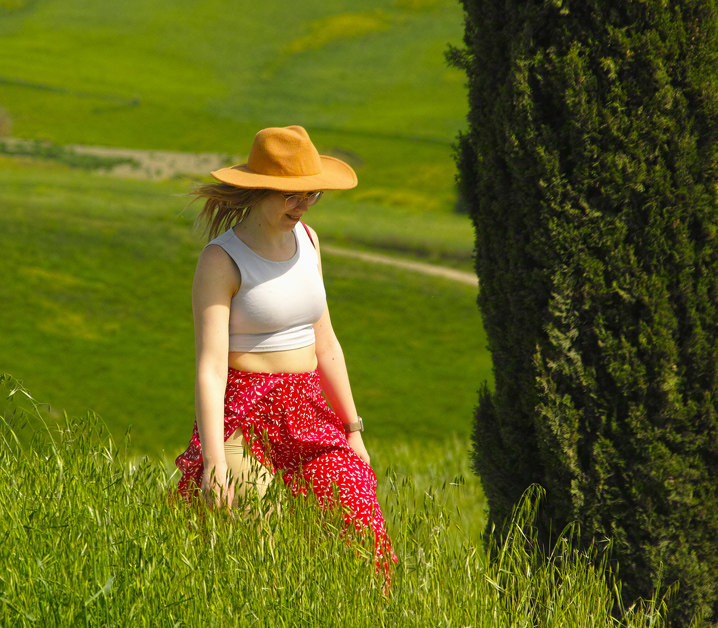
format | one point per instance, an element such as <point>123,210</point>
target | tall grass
<point>90,538</point>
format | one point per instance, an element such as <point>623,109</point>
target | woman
<point>265,347</point>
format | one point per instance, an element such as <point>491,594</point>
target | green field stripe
<point>115,98</point>
<point>383,135</point>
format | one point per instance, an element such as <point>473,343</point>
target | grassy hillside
<point>366,77</point>
<point>97,271</point>
<point>96,313</point>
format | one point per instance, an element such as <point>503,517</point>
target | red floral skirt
<point>290,428</point>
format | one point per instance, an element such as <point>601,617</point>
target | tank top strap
<point>306,245</point>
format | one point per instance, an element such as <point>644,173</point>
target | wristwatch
<point>357,426</point>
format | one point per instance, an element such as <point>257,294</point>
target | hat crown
<point>284,152</point>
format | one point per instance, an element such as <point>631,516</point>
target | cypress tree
<point>590,168</point>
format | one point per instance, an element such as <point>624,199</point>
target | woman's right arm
<point>215,283</point>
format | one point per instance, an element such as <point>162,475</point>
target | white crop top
<point>278,302</point>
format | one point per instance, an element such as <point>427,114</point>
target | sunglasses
<point>291,201</point>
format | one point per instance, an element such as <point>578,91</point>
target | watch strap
<point>356,426</point>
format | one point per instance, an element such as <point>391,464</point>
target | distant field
<point>96,314</point>
<point>367,78</point>
<point>97,271</point>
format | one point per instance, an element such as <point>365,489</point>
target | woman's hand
<point>357,444</point>
<point>219,483</point>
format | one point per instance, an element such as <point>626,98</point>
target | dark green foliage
<point>590,170</point>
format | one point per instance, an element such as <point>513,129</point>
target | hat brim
<point>336,175</point>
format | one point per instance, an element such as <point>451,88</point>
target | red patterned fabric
<point>291,429</point>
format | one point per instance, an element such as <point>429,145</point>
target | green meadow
<point>97,271</point>
<point>97,301</point>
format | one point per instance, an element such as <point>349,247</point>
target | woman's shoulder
<point>215,264</point>
<point>224,245</point>
<point>223,239</point>
<point>218,250</point>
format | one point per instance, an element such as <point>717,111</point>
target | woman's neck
<point>265,239</point>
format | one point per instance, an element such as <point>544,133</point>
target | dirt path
<point>159,164</point>
<point>419,267</point>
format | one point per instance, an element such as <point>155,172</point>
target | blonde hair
<point>225,205</point>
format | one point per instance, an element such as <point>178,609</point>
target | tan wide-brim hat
<point>284,159</point>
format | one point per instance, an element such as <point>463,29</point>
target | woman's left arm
<point>333,373</point>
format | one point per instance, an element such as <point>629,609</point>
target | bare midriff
<point>300,360</point>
